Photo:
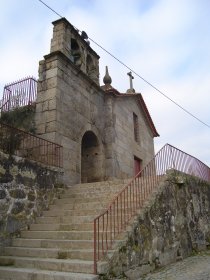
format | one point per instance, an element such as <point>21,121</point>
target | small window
<point>136,127</point>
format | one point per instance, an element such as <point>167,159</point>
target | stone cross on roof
<point>131,89</point>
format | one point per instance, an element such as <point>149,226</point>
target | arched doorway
<point>91,158</point>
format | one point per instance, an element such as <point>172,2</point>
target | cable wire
<point>133,71</point>
<point>50,8</point>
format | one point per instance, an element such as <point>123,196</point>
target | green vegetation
<point>9,141</point>
<point>21,118</point>
<point>62,255</point>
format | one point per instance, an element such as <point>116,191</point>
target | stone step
<point>56,243</point>
<point>62,227</point>
<point>80,254</point>
<point>102,193</point>
<point>65,219</point>
<point>72,235</point>
<point>97,206</point>
<point>78,206</point>
<point>14,273</point>
<point>70,213</point>
<point>63,235</point>
<point>53,243</point>
<point>76,221</point>
<point>90,198</point>
<point>97,186</point>
<point>88,195</point>
<point>94,190</point>
<point>102,184</point>
<point>48,264</point>
<point>69,200</point>
<point>72,227</point>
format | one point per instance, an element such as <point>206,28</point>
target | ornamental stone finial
<point>107,79</point>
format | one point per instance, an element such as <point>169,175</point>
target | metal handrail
<point>20,93</point>
<point>1,108</point>
<point>21,143</point>
<point>113,221</point>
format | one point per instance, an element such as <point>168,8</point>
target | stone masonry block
<point>51,136</point>
<point>40,129</point>
<point>41,86</point>
<point>39,107</point>
<point>51,115</point>
<point>52,104</point>
<point>51,126</point>
<point>51,73</point>
<point>51,64</point>
<point>45,106</point>
<point>51,83</point>
<point>109,151</point>
<point>40,118</point>
<point>47,95</point>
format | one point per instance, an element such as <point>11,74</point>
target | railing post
<point>95,249</point>
<point>30,94</point>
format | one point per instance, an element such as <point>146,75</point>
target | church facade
<point>105,134</point>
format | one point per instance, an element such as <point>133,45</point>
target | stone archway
<point>91,158</point>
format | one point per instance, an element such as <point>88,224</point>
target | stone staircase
<point>59,245</point>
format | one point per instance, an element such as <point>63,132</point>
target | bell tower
<point>70,101</point>
<point>76,47</point>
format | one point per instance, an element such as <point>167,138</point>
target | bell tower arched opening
<point>75,52</point>
<point>91,158</point>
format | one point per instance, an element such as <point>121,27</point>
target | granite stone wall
<point>174,224</point>
<point>126,147</point>
<point>26,189</point>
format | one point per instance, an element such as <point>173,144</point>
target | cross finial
<point>131,89</point>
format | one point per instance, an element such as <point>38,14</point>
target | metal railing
<point>18,142</point>
<point>18,94</point>
<point>125,205</point>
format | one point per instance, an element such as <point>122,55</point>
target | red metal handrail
<point>125,205</point>
<point>21,143</point>
<point>20,93</point>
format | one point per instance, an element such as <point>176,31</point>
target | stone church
<point>105,134</point>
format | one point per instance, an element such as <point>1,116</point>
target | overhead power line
<point>133,71</point>
<point>50,8</point>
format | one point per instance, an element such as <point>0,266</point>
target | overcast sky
<point>165,41</point>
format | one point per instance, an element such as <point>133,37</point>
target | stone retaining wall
<point>26,189</point>
<point>175,224</point>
